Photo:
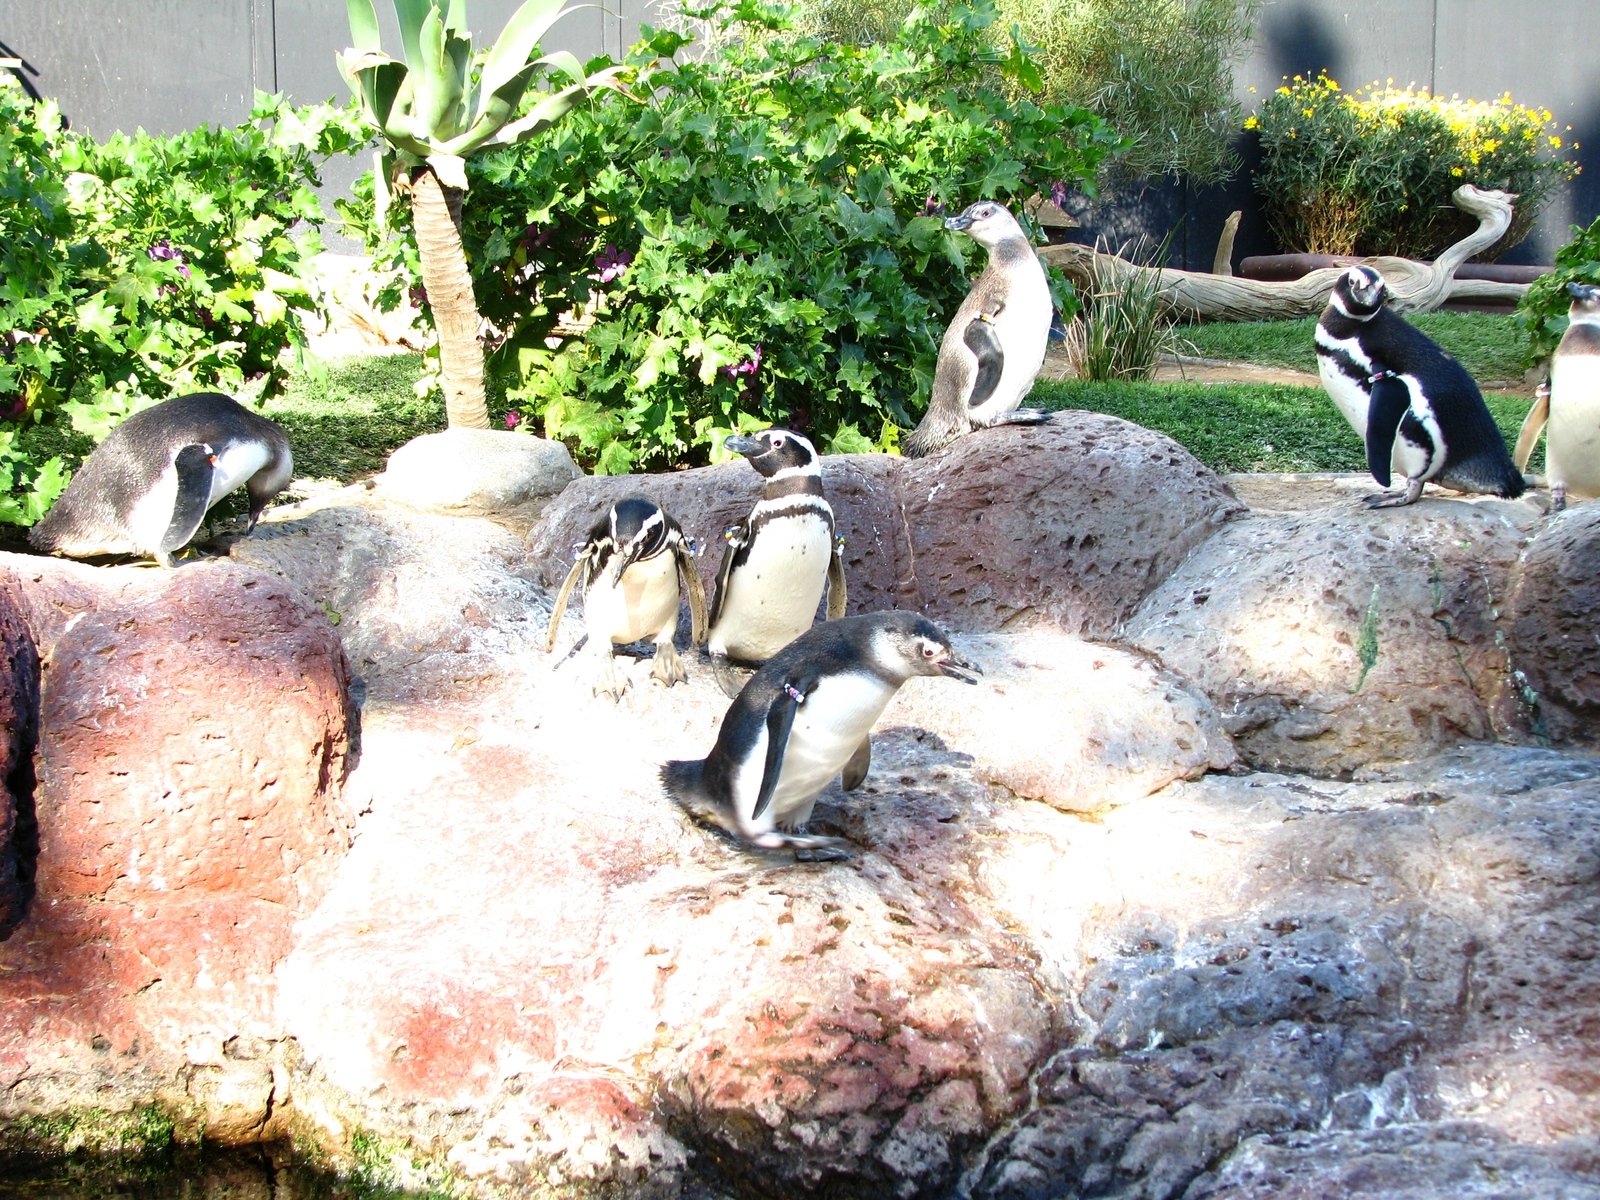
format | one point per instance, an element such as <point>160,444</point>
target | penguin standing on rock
<point>1568,409</point>
<point>146,488</point>
<point>994,347</point>
<point>632,565</point>
<point>1419,412</point>
<point>778,560</point>
<point>803,718</point>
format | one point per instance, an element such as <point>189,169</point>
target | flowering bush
<point>1371,171</point>
<point>759,243</point>
<point>144,266</point>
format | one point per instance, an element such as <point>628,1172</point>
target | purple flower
<point>534,238</point>
<point>931,205</point>
<point>612,262</point>
<point>748,367</point>
<point>165,251</point>
<point>1058,193</point>
<point>513,419</point>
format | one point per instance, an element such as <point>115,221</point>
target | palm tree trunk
<point>436,214</point>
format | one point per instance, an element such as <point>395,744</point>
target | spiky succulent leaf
<point>363,25</point>
<point>517,41</point>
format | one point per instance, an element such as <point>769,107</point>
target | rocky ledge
<point>1262,863</point>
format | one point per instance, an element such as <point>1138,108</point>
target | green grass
<point>1487,344</point>
<point>345,419</point>
<point>1247,426</point>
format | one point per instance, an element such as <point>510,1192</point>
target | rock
<point>1065,525</point>
<point>1068,524</point>
<point>507,477</point>
<point>193,740</point>
<point>1080,725</point>
<point>19,723</point>
<point>1337,637</point>
<point>424,603</point>
<point>1553,627</point>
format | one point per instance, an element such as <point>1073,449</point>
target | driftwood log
<point>1414,286</point>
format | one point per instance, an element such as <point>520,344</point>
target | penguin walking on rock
<point>804,718</point>
<point>146,488</point>
<point>995,345</point>
<point>1567,410</point>
<point>632,565</point>
<point>778,560</point>
<point>1418,411</point>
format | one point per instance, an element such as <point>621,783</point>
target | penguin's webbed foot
<point>1396,499</point>
<point>1558,498</point>
<point>729,678</point>
<point>608,681</point>
<point>819,854</point>
<point>807,847</point>
<point>668,668</point>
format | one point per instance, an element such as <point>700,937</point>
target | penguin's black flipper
<point>562,597</point>
<point>780,721</point>
<point>735,538</point>
<point>690,576</point>
<point>194,466</point>
<point>1532,426</point>
<point>837,593</point>
<point>984,343</point>
<point>856,769</point>
<point>1390,402</point>
<point>1022,416</point>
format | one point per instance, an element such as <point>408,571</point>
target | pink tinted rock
<point>1554,634</point>
<point>194,736</point>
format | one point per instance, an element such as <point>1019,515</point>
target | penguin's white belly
<point>1023,328</point>
<point>1572,436</point>
<point>828,728</point>
<point>772,596</point>
<point>643,604</point>
<point>235,464</point>
<point>1347,394</point>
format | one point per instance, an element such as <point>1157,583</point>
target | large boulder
<point>1066,525</point>
<point>1553,628</point>
<point>1338,636</point>
<point>507,477</point>
<point>194,733</point>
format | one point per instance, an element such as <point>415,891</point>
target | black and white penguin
<point>632,565</point>
<point>994,346</point>
<point>777,561</point>
<point>1419,412</point>
<point>1567,410</point>
<point>803,718</point>
<point>137,493</point>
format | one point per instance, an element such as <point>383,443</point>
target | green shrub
<point>142,267</point>
<point>1122,328</point>
<point>1542,312</point>
<point>1372,172</point>
<point>1159,72</point>
<point>761,242</point>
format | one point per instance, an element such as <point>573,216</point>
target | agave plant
<point>433,108</point>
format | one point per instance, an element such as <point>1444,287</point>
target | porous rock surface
<point>1363,975</point>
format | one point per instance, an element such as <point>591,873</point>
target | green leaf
<point>363,20</point>
<point>516,43</point>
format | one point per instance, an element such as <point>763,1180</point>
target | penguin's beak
<point>955,668</point>
<point>743,445</point>
<point>1582,291</point>
<point>959,223</point>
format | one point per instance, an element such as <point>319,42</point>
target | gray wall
<point>170,65</point>
<point>173,64</point>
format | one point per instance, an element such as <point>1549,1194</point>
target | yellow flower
<point>1252,122</point>
<point>1555,142</point>
<point>1457,172</point>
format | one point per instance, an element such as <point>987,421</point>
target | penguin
<point>803,718</point>
<point>632,564</point>
<point>146,488</point>
<point>994,346</point>
<point>777,561</point>
<point>1419,412</point>
<point>1567,409</point>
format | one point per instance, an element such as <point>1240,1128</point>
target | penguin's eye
<point>929,650</point>
<point>776,443</point>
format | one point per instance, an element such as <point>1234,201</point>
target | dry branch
<point>1414,286</point>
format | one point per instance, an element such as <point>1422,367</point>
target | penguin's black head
<point>636,528</point>
<point>918,647</point>
<point>986,222</point>
<point>1585,297</point>
<point>776,451</point>
<point>1360,293</point>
